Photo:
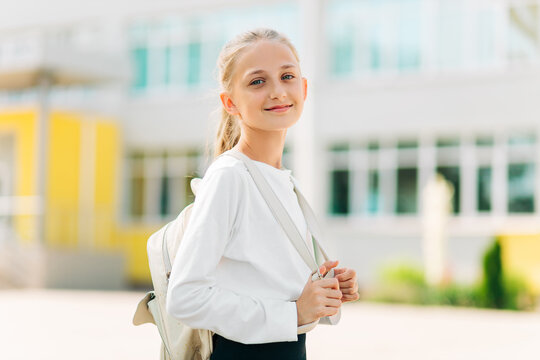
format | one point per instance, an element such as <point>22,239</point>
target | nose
<point>277,91</point>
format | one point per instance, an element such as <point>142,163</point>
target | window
<point>373,192</point>
<point>521,188</point>
<point>449,34</point>
<point>140,65</point>
<point>340,192</point>
<point>452,175</point>
<point>194,63</point>
<point>342,54</point>
<point>164,198</point>
<point>524,31</point>
<point>159,184</point>
<point>409,36</point>
<point>137,187</point>
<point>374,36</point>
<point>483,197</point>
<point>407,191</point>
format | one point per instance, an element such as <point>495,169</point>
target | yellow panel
<point>134,240</point>
<point>521,254</point>
<point>63,180</point>
<point>105,195</point>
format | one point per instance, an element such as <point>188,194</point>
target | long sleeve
<point>194,296</point>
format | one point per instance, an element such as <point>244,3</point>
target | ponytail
<point>228,133</point>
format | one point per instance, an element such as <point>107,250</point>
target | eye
<point>256,82</point>
<point>287,77</point>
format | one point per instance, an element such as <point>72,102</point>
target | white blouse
<point>236,272</point>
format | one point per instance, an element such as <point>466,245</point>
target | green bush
<point>493,277</point>
<point>405,283</point>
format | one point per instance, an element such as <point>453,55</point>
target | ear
<point>228,103</point>
<point>304,87</point>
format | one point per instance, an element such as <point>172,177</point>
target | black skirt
<point>225,349</point>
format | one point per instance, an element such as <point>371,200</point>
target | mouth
<point>279,108</point>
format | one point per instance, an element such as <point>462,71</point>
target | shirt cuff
<point>302,329</point>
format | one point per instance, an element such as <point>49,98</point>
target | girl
<point>240,276</point>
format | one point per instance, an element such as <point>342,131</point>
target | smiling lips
<point>279,108</point>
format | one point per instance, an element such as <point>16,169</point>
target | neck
<point>263,146</point>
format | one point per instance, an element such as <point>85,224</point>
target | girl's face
<point>268,90</point>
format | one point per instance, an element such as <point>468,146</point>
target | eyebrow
<point>255,72</point>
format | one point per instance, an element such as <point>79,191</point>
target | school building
<point>399,90</point>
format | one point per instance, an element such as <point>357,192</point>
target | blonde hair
<point>228,130</point>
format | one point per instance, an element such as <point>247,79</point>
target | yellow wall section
<point>21,124</point>
<point>63,180</point>
<point>63,187</point>
<point>105,195</point>
<point>134,239</point>
<point>521,254</point>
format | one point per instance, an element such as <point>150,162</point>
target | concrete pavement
<point>55,324</point>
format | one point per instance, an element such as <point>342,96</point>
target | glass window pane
<point>523,31</point>
<point>164,196</point>
<point>450,25</point>
<point>409,34</point>
<point>136,198</point>
<point>140,67</point>
<point>484,141</point>
<point>485,44</point>
<point>407,191</point>
<point>521,188</point>
<point>522,139</point>
<point>167,65</point>
<point>452,175</point>
<point>484,189</point>
<point>373,192</point>
<point>447,142</point>
<point>194,62</point>
<point>340,192</point>
<point>342,54</point>
<point>407,144</point>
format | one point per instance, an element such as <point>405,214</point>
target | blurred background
<point>107,109</point>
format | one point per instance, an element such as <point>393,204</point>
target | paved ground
<point>97,325</point>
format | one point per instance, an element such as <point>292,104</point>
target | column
<point>387,177</point>
<point>427,163</point>
<point>309,150</point>
<point>467,160</point>
<point>499,188</point>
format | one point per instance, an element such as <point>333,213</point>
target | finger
<point>348,292</point>
<point>347,284</point>
<point>333,294</point>
<point>346,275</point>
<point>338,271</point>
<point>347,298</point>
<point>328,283</point>
<point>333,302</point>
<point>330,264</point>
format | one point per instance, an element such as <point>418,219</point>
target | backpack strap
<point>282,216</point>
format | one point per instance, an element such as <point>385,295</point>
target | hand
<point>348,284</point>
<point>319,298</point>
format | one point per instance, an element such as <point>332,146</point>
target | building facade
<point>402,90</point>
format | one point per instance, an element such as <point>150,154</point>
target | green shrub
<point>405,283</point>
<point>400,283</point>
<point>517,294</point>
<point>493,278</point>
